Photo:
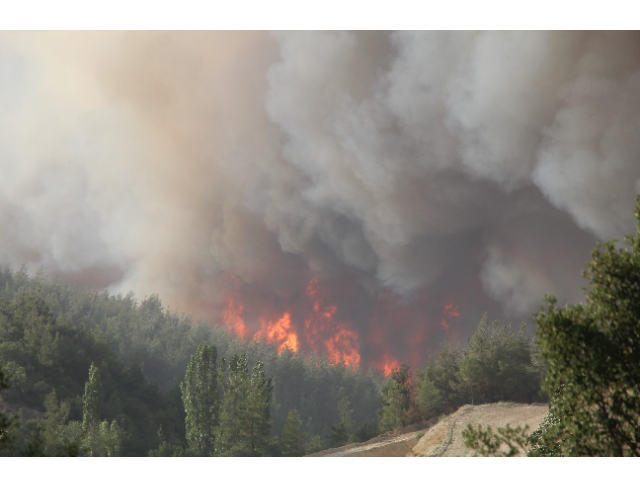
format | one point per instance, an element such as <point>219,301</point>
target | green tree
<point>99,438</point>
<point>293,436</point>
<point>498,365</point>
<point>6,423</point>
<point>543,442</point>
<point>593,350</point>
<point>315,444</point>
<point>398,400</point>
<point>366,431</point>
<point>166,449</point>
<point>440,389</point>
<point>92,399</point>
<point>56,439</point>
<point>245,411</point>
<point>487,443</point>
<point>201,400</point>
<point>341,433</point>
<point>259,416</point>
<point>475,364</point>
<point>51,331</point>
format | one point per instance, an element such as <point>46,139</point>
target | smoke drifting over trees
<point>406,171</point>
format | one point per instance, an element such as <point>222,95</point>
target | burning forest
<point>363,195</point>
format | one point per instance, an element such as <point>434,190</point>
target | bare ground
<point>443,438</point>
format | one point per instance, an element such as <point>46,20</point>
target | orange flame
<point>342,344</point>
<point>232,317</point>
<point>280,332</point>
<point>386,364</point>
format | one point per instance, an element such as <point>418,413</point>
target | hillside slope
<point>443,438</point>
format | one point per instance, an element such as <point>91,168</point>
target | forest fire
<point>280,332</point>
<point>341,342</point>
<point>232,317</point>
<point>386,364</point>
<point>327,319</point>
<point>321,333</point>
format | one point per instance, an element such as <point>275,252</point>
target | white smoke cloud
<point>163,161</point>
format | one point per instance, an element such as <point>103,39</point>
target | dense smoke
<point>416,175</point>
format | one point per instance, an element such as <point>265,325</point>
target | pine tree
<point>235,387</point>
<point>245,417</point>
<point>55,427</point>
<point>440,390</point>
<point>341,433</point>
<point>293,436</point>
<point>6,423</point>
<point>92,399</point>
<point>398,400</point>
<point>201,400</point>
<point>259,415</point>
<point>98,438</point>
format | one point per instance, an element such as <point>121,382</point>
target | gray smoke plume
<point>475,167</point>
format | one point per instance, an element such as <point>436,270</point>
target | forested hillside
<point>51,332</point>
<point>140,356</point>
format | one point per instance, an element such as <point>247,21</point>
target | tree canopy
<point>201,403</point>
<point>593,349</point>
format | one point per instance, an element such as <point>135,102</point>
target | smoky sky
<point>473,167</point>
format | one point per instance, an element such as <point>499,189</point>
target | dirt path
<point>397,443</point>
<point>443,438</point>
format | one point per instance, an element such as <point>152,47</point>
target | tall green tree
<point>440,388</point>
<point>99,438</point>
<point>200,397</point>
<point>6,423</point>
<point>476,364</point>
<point>235,388</point>
<point>593,349</point>
<point>244,414</point>
<point>341,433</point>
<point>92,399</point>
<point>259,414</point>
<point>398,400</point>
<point>498,365</point>
<point>293,435</point>
<point>56,436</point>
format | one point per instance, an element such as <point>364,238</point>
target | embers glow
<point>281,332</point>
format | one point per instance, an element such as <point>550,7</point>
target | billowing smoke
<point>418,179</point>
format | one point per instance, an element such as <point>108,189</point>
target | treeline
<point>83,373</point>
<point>496,365</point>
<point>51,332</point>
<point>46,363</point>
